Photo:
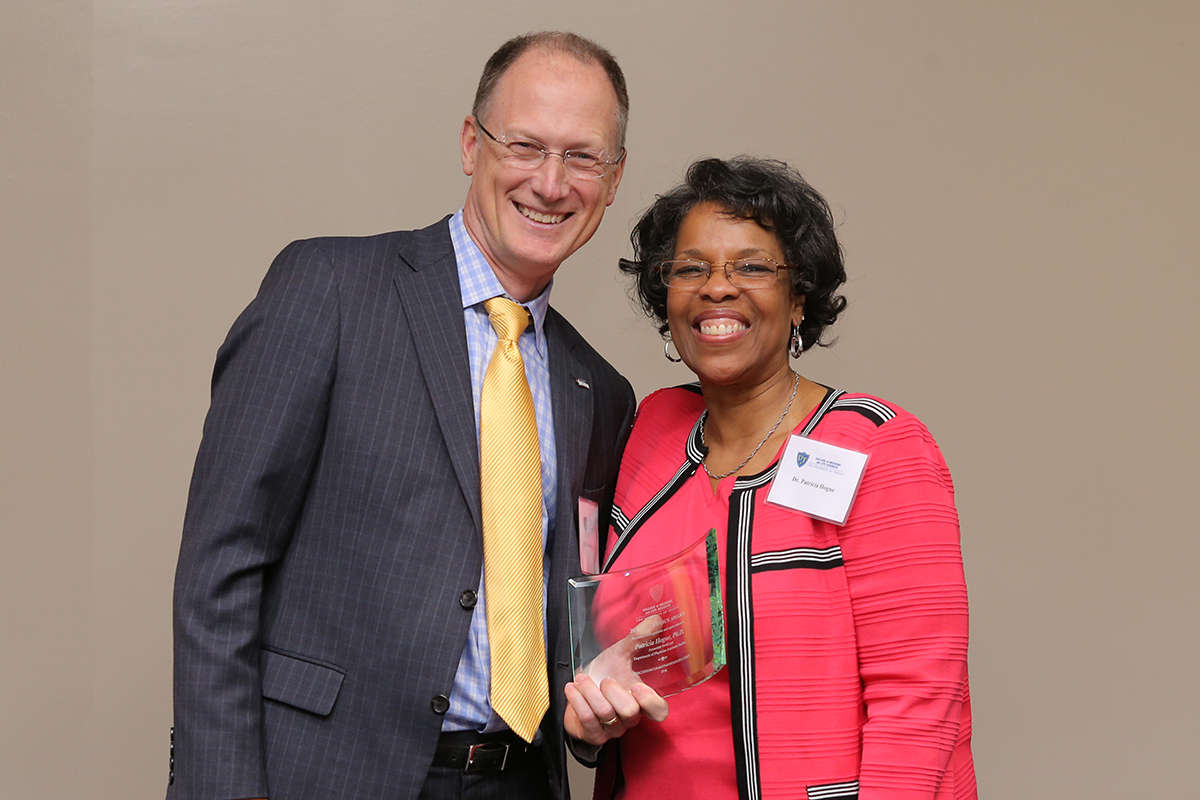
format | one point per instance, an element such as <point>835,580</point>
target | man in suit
<point>330,634</point>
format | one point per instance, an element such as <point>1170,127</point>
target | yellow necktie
<point>511,494</point>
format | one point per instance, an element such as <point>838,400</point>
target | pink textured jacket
<point>846,646</point>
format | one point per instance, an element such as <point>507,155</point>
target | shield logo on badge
<point>656,592</point>
<point>801,459</point>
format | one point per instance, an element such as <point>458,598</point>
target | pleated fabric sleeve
<point>904,571</point>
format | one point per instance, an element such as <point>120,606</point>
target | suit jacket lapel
<point>572,401</point>
<point>427,281</point>
<point>571,398</point>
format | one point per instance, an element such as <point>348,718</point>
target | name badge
<point>589,536</point>
<point>817,478</point>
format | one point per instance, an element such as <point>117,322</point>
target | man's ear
<point>616,180</point>
<point>469,142</point>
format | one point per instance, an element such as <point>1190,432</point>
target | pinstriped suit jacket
<point>333,523</point>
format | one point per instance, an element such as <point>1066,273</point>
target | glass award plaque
<point>661,624</point>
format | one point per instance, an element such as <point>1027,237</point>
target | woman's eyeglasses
<point>744,273</point>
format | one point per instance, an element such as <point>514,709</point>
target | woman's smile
<point>721,324</point>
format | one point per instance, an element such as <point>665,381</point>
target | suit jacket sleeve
<point>270,395</point>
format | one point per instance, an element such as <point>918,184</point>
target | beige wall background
<point>1018,186</point>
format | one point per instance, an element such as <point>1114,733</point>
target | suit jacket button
<point>468,599</point>
<point>440,704</point>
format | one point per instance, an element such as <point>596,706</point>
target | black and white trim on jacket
<point>874,410</point>
<point>834,791</point>
<point>626,527</point>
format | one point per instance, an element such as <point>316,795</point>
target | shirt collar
<point>478,282</point>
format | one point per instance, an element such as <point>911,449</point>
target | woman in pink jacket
<point>846,643</point>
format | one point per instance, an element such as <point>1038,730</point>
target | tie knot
<point>509,320</point>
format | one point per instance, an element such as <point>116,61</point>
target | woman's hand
<point>597,713</point>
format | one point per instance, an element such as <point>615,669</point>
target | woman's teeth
<point>721,327</point>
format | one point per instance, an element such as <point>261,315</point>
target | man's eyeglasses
<point>529,155</point>
<point>744,273</point>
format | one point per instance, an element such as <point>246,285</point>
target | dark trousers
<point>524,778</point>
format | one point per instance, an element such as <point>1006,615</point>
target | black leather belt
<point>480,752</point>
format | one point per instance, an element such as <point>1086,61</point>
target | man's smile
<point>537,216</point>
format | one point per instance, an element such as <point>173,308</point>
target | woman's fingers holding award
<point>609,698</point>
<point>651,704</point>
<point>592,717</point>
<point>599,712</point>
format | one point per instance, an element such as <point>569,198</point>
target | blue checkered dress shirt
<point>470,704</point>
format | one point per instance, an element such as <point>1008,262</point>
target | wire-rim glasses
<point>529,155</point>
<point>744,273</point>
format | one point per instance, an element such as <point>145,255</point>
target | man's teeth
<point>721,327</point>
<point>549,219</point>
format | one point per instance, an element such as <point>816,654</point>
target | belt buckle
<point>483,766</point>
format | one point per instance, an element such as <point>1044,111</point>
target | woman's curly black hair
<point>776,197</point>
